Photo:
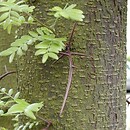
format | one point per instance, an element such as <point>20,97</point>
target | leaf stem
<point>41,23</point>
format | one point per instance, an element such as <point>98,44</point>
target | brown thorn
<point>68,85</point>
<point>68,46</point>
<point>71,35</point>
<point>64,53</point>
<point>78,54</point>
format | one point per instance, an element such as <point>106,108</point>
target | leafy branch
<point>12,14</point>
<point>18,107</point>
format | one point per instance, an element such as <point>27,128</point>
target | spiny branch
<point>68,53</point>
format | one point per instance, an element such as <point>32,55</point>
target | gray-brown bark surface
<point>97,96</point>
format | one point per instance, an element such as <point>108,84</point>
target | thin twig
<point>41,23</point>
<point>7,73</point>
<point>49,123</point>
<point>58,59</point>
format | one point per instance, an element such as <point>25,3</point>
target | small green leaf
<point>30,42</point>
<point>17,95</point>
<point>64,14</point>
<point>9,27</point>
<point>4,16</point>
<point>3,90</point>
<point>16,108</point>
<point>31,125</point>
<point>21,101</point>
<point>2,103</point>
<point>1,112</point>
<point>5,97</point>
<point>22,19</point>
<point>42,45</point>
<point>19,52</point>
<point>19,107</point>
<point>44,58</point>
<point>56,8</point>
<point>40,51</point>
<point>6,23</point>
<point>9,102</point>
<point>55,49</point>
<point>71,6</point>
<point>57,15</point>
<point>33,34</point>
<point>11,58</point>
<point>14,13</point>
<point>3,9</point>
<point>30,19</point>
<point>35,107</point>
<point>25,47</point>
<point>30,114</point>
<point>9,51</point>
<point>39,30</point>
<point>53,55</point>
<point>37,123</point>
<point>46,30</point>
<point>69,13</point>
<point>10,92</point>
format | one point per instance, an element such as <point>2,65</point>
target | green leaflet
<point>11,57</point>
<point>46,43</point>
<point>11,14</point>
<point>44,58</point>
<point>4,16</point>
<point>9,51</point>
<point>17,106</point>
<point>68,12</point>
<point>18,47</point>
<point>53,55</point>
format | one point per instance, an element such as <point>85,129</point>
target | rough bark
<point>97,96</point>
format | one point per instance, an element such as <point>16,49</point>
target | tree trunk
<point>96,99</point>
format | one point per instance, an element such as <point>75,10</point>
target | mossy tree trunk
<point>96,99</point>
